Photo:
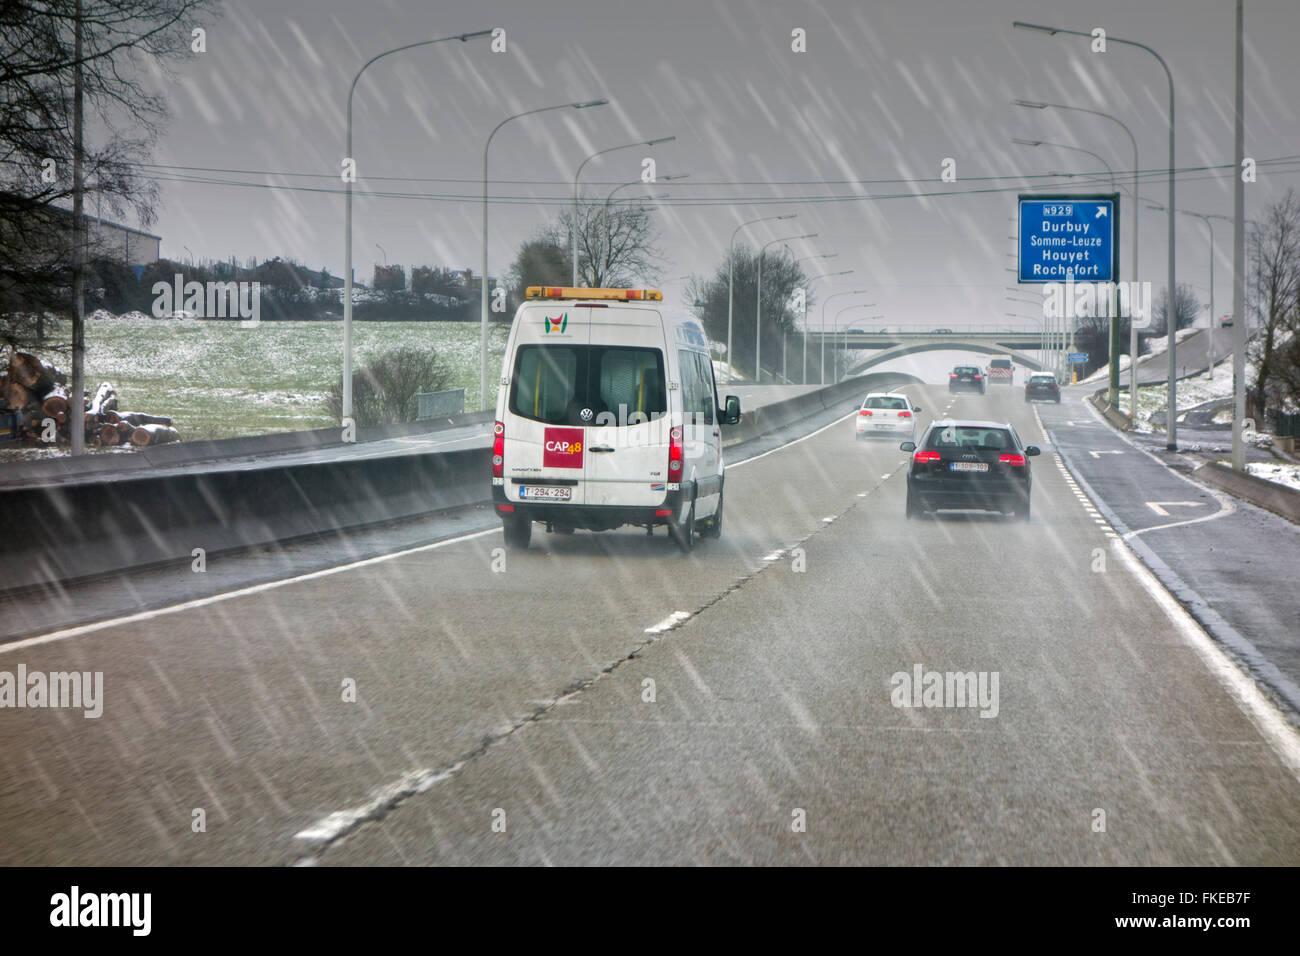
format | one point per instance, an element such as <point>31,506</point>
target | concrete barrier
<point>61,532</point>
<point>67,532</point>
<point>1269,495</point>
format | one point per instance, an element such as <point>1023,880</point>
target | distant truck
<point>1001,371</point>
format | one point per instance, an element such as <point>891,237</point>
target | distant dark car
<point>1042,387</point>
<point>966,377</point>
<point>962,465</point>
<point>856,331</point>
<point>943,331</point>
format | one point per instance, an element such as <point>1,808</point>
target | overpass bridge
<point>885,345</point>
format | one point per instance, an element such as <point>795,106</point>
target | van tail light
<point>978,376</point>
<point>498,450</point>
<point>1015,461</point>
<point>676,453</point>
<point>904,414</point>
<point>953,375</point>
<point>921,457</point>
<point>865,411</point>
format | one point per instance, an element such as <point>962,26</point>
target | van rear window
<point>616,385</point>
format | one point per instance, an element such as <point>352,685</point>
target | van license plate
<point>543,492</point>
<point>970,466</point>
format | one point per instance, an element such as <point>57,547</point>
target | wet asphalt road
<point>504,713</point>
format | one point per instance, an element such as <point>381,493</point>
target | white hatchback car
<point>887,414</point>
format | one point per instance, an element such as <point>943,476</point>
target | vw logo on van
<point>585,414</point>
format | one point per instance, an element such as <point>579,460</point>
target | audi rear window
<point>969,436</point>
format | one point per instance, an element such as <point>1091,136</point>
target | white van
<point>607,414</point>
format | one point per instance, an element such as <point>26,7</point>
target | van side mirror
<point>1032,450</point>
<point>907,446</point>
<point>731,410</point>
<point>916,408</point>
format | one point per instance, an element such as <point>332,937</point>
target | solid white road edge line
<point>77,631</point>
<point>1259,710</point>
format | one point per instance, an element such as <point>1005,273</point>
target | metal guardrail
<point>440,404</point>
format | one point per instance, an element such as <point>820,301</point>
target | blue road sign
<point>1067,238</point>
<point>1078,358</point>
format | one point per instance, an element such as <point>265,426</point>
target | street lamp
<point>807,286</point>
<point>1171,421</point>
<point>347,216</point>
<point>483,279</point>
<point>1133,220</point>
<point>835,324</point>
<point>758,313</point>
<point>825,255</point>
<point>604,212</point>
<point>731,278</point>
<point>578,175</point>
<point>1205,218</point>
<point>822,335</point>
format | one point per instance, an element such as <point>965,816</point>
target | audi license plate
<point>545,493</point>
<point>970,466</point>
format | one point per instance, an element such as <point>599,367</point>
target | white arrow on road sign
<point>1098,454</point>
<point>1101,212</point>
<point>1159,506</point>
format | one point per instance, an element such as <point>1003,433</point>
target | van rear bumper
<point>590,517</point>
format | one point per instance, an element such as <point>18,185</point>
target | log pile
<point>37,393</point>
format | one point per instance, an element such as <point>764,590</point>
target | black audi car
<point>1042,386</point>
<point>966,377</point>
<point>969,465</point>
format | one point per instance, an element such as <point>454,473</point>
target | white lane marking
<point>341,821</point>
<point>668,623</point>
<point>1098,454</point>
<point>1159,506</point>
<point>136,618</point>
<point>741,464</point>
<point>1268,720</point>
<point>1227,504</point>
<point>828,520</point>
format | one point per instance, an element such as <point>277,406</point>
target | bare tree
<point>782,275</point>
<point>617,244</point>
<point>66,67</point>
<point>1276,267</point>
<point>1186,307</point>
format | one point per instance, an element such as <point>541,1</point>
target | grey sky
<point>886,91</point>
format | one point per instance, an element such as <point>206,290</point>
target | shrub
<point>383,392</point>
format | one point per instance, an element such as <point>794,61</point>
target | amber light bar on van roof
<point>570,292</point>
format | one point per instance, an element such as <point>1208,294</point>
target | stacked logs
<point>38,394</point>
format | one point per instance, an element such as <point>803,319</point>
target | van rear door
<point>627,444</point>
<point>545,436</point>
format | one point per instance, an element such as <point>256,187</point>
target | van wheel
<point>714,528</point>
<point>683,532</point>
<point>518,532</point>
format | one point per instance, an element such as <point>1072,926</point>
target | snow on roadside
<point>1155,346</point>
<point>1281,473</point>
